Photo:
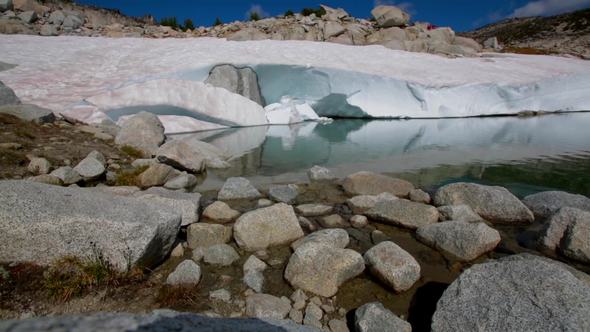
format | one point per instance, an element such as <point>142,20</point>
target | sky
<point>461,15</point>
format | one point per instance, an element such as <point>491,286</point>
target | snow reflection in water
<point>551,151</point>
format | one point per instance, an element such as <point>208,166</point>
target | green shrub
<point>169,22</point>
<point>188,25</point>
<point>319,12</point>
<point>131,151</point>
<point>289,13</point>
<point>254,16</point>
<point>217,22</point>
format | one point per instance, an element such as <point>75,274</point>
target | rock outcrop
<point>243,81</point>
<point>40,223</point>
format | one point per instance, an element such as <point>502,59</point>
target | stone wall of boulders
<point>390,27</point>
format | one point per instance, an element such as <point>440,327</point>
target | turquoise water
<point>524,154</point>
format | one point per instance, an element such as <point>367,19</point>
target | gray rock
<point>187,273</point>
<point>284,193</point>
<point>253,273</point>
<point>576,244</point>
<point>39,223</point>
<point>263,202</point>
<point>90,168</point>
<point>5,5</point>
<point>526,256</point>
<point>362,203</point>
<point>267,306</point>
<point>143,131</point>
<point>390,16</point>
<point>459,213</point>
<point>185,203</point>
<point>191,155</point>
<point>39,166</point>
<point>338,325</point>
<point>514,295</point>
<point>404,213</point>
<point>160,320</point>
<point>206,235</point>
<point>321,269</point>
<point>335,238</point>
<point>156,175</point>
<point>296,316</point>
<point>460,240</point>
<point>28,17</point>
<point>368,183</point>
<point>556,226</point>
<point>313,315</point>
<point>546,203</point>
<point>239,80</point>
<point>182,181</point>
<point>220,212</point>
<point>359,221</point>
<point>144,162</point>
<point>267,227</point>
<point>72,22</point>
<point>393,266</point>
<point>28,112</point>
<point>313,210</point>
<point>221,295</point>
<point>67,175</point>
<point>318,174</point>
<point>333,221</point>
<point>48,30</point>
<point>57,17</point>
<point>495,204</point>
<point>333,29</point>
<point>248,34</point>
<point>373,317</point>
<point>420,196</point>
<point>47,179</point>
<point>238,188</point>
<point>220,254</point>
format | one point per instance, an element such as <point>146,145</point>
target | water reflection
<point>462,147</point>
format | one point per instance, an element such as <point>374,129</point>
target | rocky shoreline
<point>363,253</point>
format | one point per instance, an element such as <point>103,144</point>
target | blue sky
<point>461,15</point>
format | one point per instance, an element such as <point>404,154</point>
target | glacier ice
<point>116,76</point>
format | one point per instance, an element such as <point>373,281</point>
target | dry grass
<point>178,297</point>
<point>131,151</point>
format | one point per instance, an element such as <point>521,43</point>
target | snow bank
<point>337,80</point>
<point>290,111</point>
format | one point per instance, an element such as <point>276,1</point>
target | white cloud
<point>549,7</point>
<point>405,5</point>
<point>256,9</point>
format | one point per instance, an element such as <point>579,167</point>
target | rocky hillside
<point>389,27</point>
<point>566,33</point>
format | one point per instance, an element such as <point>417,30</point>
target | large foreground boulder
<point>40,223</point>
<point>240,80</point>
<point>7,96</point>
<point>143,131</point>
<point>368,183</point>
<point>267,227</point>
<point>514,295</point>
<point>29,112</point>
<point>495,204</point>
<point>546,203</point>
<point>159,320</point>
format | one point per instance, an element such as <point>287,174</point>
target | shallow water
<point>526,155</point>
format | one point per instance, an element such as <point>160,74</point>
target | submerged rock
<point>460,240</point>
<point>238,188</point>
<point>284,193</point>
<point>368,183</point>
<point>143,131</point>
<point>495,204</point>
<point>40,223</point>
<point>373,317</point>
<point>318,174</point>
<point>404,213</point>
<point>514,295</point>
<point>393,265</point>
<point>267,227</point>
<point>546,203</point>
